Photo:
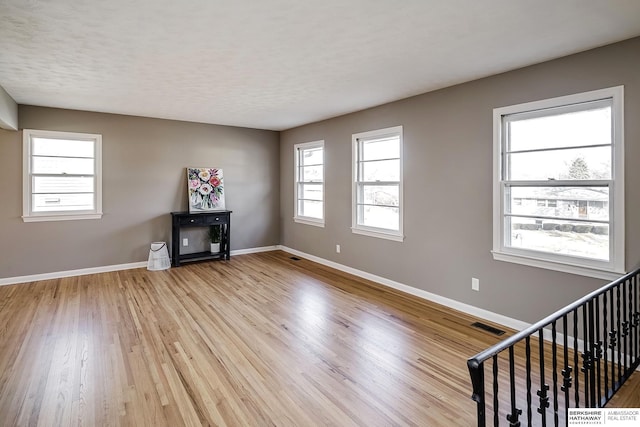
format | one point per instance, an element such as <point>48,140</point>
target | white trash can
<point>158,257</point>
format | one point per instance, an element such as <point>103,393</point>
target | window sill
<point>378,234</point>
<point>557,266</point>
<point>72,217</point>
<point>309,221</point>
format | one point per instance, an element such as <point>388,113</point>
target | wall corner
<point>8,111</point>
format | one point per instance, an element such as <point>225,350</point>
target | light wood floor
<point>260,340</point>
<point>629,394</point>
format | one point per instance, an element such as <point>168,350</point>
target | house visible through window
<point>558,193</point>
<point>377,183</point>
<point>61,176</point>
<point>309,183</point>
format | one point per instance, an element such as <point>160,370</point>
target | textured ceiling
<point>276,64</point>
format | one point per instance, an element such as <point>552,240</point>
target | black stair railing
<point>577,357</point>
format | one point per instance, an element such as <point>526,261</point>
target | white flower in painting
<point>204,175</point>
<point>205,189</point>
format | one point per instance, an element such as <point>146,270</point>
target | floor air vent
<point>487,328</point>
<point>295,258</point>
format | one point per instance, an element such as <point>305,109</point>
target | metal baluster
<point>619,326</point>
<point>476,372</point>
<point>629,318</point>
<point>634,325</point>
<point>625,328</point>
<point>636,302</point>
<point>637,314</point>
<point>575,356</point>
<point>542,393</point>
<point>606,351</point>
<point>598,353</point>
<point>527,341</point>
<point>586,356</point>
<point>612,345</point>
<point>636,319</point>
<point>554,354</point>
<point>515,412</point>
<point>566,372</point>
<point>592,347</point>
<point>496,402</point>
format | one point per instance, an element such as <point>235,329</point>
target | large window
<point>377,183</point>
<point>559,184</point>
<point>309,183</point>
<point>61,176</point>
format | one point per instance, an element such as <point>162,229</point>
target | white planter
<point>215,248</point>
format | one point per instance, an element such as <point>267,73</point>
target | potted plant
<point>214,237</point>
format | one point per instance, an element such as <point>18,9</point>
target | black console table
<point>181,220</point>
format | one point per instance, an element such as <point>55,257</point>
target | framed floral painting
<point>206,189</point>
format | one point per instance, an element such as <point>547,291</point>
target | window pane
<point>311,173</point>
<point>383,170</point>
<point>581,163</point>
<point>62,202</point>
<point>62,147</point>
<point>563,202</point>
<point>61,165</point>
<point>310,191</point>
<point>559,237</point>
<point>388,195</point>
<point>310,208</point>
<point>380,217</point>
<point>47,184</point>
<point>311,156</point>
<point>378,174</point>
<point>590,127</point>
<point>383,148</point>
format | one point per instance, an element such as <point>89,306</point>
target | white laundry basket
<point>158,257</point>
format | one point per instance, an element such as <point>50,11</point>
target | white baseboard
<point>447,302</point>
<point>105,269</point>
<point>71,273</point>
<point>254,250</point>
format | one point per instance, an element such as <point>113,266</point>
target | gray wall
<point>448,185</point>
<point>144,179</point>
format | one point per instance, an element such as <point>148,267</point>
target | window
<point>566,154</point>
<point>309,187</point>
<point>377,183</point>
<point>61,176</point>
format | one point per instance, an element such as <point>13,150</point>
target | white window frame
<point>298,149</point>
<point>27,214</point>
<point>356,228</point>
<point>606,270</point>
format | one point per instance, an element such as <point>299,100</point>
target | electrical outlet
<point>475,284</point>
<point>185,242</point>
<point>337,249</point>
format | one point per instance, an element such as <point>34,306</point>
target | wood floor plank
<point>260,340</point>
<point>629,395</point>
